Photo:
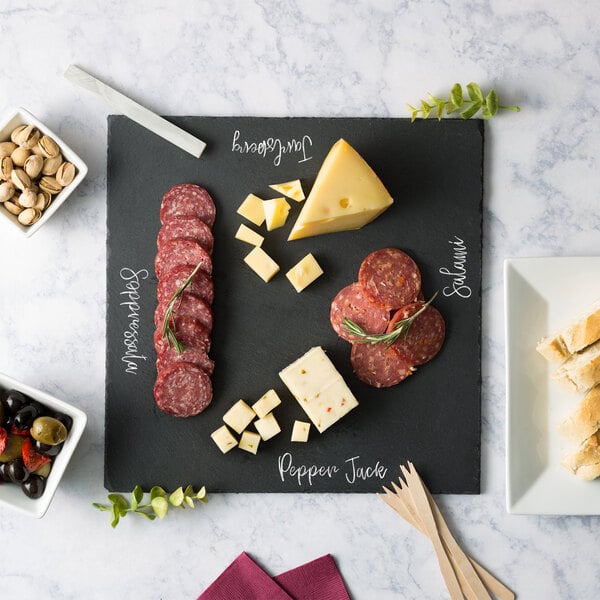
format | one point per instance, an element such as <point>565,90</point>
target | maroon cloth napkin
<point>243,579</point>
<point>319,579</point>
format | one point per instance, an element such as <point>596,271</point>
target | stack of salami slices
<point>388,291</point>
<point>185,242</point>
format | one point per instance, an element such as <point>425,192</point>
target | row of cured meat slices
<point>185,241</point>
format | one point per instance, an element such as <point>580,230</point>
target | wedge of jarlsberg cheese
<point>585,463</point>
<point>347,194</point>
<point>584,420</point>
<point>577,335</point>
<point>581,371</point>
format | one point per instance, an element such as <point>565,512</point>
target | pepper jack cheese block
<point>261,263</point>
<point>303,273</point>
<point>249,442</point>
<point>223,438</point>
<point>300,431</point>
<point>245,234</point>
<point>291,189</point>
<point>252,209</point>
<point>267,426</point>
<point>239,416</point>
<point>266,403</point>
<point>319,388</point>
<point>276,213</point>
<point>347,194</point>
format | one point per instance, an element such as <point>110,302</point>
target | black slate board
<point>434,172</point>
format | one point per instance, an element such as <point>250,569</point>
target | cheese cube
<point>276,212</point>
<point>266,403</point>
<point>245,234</point>
<point>223,438</point>
<point>252,209</point>
<point>262,264</point>
<point>239,416</point>
<point>347,194</point>
<point>303,273</point>
<point>319,388</point>
<point>300,431</point>
<point>268,427</point>
<point>291,189</point>
<point>249,442</point>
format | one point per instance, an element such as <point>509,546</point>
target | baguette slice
<point>585,463</point>
<point>584,420</point>
<point>577,335</point>
<point>580,372</point>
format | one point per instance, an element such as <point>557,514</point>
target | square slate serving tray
<point>433,171</point>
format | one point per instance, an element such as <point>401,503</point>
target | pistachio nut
<point>51,165</point>
<point>33,165</point>
<point>29,216</point>
<point>28,137</point>
<point>28,198</point>
<point>48,146</point>
<point>50,185</point>
<point>6,167</point>
<point>7,191</point>
<point>43,200</point>
<point>20,179</point>
<point>7,148</point>
<point>12,207</point>
<point>16,132</point>
<point>37,150</point>
<point>65,173</point>
<point>19,156</point>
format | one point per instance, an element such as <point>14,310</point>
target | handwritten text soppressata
<point>130,299</point>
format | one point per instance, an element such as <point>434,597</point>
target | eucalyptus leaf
<point>146,515</point>
<point>176,498</point>
<point>160,506</point>
<point>475,92</point>
<point>456,96</point>
<point>101,507</point>
<point>115,516</point>
<point>201,495</point>
<point>469,112</point>
<point>425,109</point>
<point>491,103</point>
<point>189,501</point>
<point>157,492</point>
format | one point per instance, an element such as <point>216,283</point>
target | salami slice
<point>352,303</point>
<point>187,304</point>
<point>202,285</point>
<point>390,278</point>
<point>379,365</point>
<point>425,335</point>
<point>188,331</point>
<point>188,199</point>
<point>175,253</point>
<point>183,390</point>
<point>196,356</point>
<point>187,227</point>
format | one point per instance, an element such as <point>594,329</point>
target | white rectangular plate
<point>542,295</point>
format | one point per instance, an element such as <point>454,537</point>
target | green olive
<point>13,447</point>
<point>48,430</point>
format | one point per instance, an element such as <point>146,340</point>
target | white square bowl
<point>11,494</point>
<point>20,116</point>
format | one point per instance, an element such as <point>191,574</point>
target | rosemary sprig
<point>489,105</point>
<point>169,329</point>
<point>401,328</point>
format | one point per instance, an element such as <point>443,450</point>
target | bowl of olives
<point>38,435</point>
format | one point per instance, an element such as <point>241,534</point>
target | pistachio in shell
<point>65,173</point>
<point>27,137</point>
<point>48,146</point>
<point>12,207</point>
<point>50,185</point>
<point>20,179</point>
<point>7,148</point>
<point>16,132</point>
<point>7,191</point>
<point>28,198</point>
<point>51,164</point>
<point>6,167</point>
<point>19,156</point>
<point>43,200</point>
<point>33,165</point>
<point>29,216</point>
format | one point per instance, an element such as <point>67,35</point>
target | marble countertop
<point>301,58</point>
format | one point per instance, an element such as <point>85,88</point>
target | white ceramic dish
<point>542,295</point>
<point>11,495</point>
<point>20,116</point>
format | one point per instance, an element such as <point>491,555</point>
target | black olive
<point>66,420</point>
<point>8,422</point>
<point>16,470</point>
<point>46,449</point>
<point>13,401</point>
<point>26,415</point>
<point>34,486</point>
<point>3,472</point>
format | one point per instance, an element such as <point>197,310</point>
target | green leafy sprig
<point>169,329</point>
<point>401,328</point>
<point>476,101</point>
<point>157,505</point>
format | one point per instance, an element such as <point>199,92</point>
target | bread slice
<point>584,420</point>
<point>585,463</point>
<point>581,371</point>
<point>577,335</point>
